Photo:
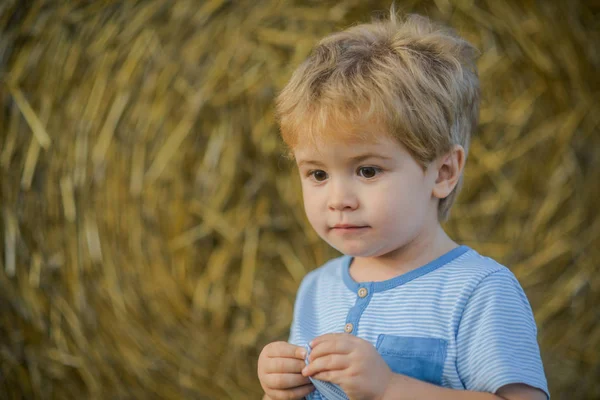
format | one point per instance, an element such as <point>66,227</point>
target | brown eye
<point>319,175</point>
<point>368,172</point>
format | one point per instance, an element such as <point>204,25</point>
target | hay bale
<point>153,237</point>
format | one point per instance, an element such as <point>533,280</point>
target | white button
<point>362,292</point>
<point>348,328</point>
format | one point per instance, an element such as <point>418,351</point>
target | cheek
<point>311,203</point>
<point>400,200</point>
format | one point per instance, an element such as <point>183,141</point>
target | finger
<point>300,353</point>
<point>282,365</point>
<point>330,337</point>
<point>285,350</point>
<point>285,381</point>
<point>332,362</point>
<point>333,345</point>
<point>327,376</point>
<point>292,394</point>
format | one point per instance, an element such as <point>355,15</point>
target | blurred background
<point>152,234</point>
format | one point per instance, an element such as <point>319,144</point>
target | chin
<point>356,250</point>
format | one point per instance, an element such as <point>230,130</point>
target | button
<point>362,292</point>
<point>348,328</point>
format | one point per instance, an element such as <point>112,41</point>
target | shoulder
<point>490,272</point>
<point>321,286</point>
<point>472,270</point>
<point>471,262</point>
<point>478,280</point>
<point>328,273</point>
<point>493,289</point>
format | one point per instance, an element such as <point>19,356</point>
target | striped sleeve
<point>292,339</point>
<point>300,294</point>
<point>497,337</point>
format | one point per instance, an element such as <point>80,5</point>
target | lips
<point>346,230</point>
<point>348,227</point>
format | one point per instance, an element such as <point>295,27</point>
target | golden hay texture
<point>153,236</point>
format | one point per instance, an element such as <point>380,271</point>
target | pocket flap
<point>407,346</point>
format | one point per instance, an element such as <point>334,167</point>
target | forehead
<point>349,148</point>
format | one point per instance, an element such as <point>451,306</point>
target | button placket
<point>363,297</point>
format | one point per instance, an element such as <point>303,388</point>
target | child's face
<point>366,199</point>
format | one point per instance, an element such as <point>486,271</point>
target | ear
<point>449,169</point>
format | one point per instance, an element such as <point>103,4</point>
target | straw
<point>153,234</point>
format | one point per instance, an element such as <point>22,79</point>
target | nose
<point>341,197</point>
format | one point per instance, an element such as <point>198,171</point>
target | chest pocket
<point>418,357</point>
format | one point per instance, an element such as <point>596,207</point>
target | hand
<point>351,362</point>
<point>279,367</point>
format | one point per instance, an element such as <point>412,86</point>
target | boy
<point>378,119</point>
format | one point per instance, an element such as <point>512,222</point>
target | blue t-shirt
<point>462,321</point>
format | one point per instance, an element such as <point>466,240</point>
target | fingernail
<point>303,354</point>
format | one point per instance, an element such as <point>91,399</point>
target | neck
<point>413,255</point>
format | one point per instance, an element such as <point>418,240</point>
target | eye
<point>318,175</point>
<point>368,172</point>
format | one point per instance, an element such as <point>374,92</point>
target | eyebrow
<point>363,157</point>
<point>355,159</point>
<point>311,162</point>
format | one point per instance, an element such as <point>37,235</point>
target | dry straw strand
<point>153,233</point>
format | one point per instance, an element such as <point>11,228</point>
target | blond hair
<point>416,79</point>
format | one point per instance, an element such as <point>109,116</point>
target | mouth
<point>348,228</point>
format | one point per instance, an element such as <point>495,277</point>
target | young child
<point>378,119</point>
